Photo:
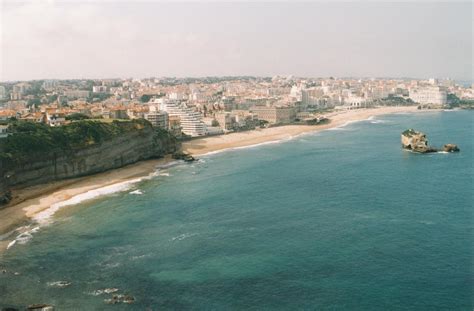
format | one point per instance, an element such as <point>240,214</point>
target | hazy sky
<point>94,39</point>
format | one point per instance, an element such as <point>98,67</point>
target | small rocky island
<point>417,142</point>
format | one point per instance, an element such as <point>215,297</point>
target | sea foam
<point>23,237</point>
<point>44,217</point>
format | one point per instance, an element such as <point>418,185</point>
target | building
<point>3,92</point>
<point>191,121</point>
<point>158,118</point>
<point>177,96</point>
<point>50,85</point>
<point>55,119</point>
<point>7,114</point>
<point>174,125</point>
<point>225,120</point>
<point>274,114</point>
<point>99,89</point>
<point>354,102</point>
<point>73,94</point>
<point>21,88</point>
<point>3,130</point>
<point>36,117</point>
<point>429,95</point>
<point>118,113</point>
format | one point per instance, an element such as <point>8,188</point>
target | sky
<point>120,39</point>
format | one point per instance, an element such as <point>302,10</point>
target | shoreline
<point>214,144</point>
<point>32,203</point>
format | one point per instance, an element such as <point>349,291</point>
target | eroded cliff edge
<point>34,155</point>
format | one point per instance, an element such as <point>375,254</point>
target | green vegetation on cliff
<point>29,140</point>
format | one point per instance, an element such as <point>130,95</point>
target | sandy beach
<point>212,144</point>
<point>30,202</point>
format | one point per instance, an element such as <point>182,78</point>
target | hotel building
<point>191,121</point>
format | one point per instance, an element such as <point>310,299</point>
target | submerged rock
<point>183,156</point>
<point>451,148</point>
<point>120,299</point>
<point>40,307</point>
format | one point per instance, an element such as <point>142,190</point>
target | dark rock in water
<point>451,148</point>
<point>120,299</point>
<point>183,156</point>
<point>40,307</point>
<point>5,197</point>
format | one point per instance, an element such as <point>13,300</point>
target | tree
<point>145,98</point>
<point>77,117</point>
<point>33,102</point>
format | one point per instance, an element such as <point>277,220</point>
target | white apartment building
<point>99,89</point>
<point>50,84</point>
<point>429,95</point>
<point>157,118</point>
<point>191,121</point>
<point>3,92</point>
<point>76,94</point>
<point>177,96</point>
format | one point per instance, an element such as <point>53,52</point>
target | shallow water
<point>336,220</point>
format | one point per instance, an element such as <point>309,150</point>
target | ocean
<point>342,219</point>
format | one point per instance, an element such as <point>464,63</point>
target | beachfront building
<point>429,95</point>
<point>190,121</point>
<point>276,115</point>
<point>225,120</point>
<point>353,101</point>
<point>157,118</point>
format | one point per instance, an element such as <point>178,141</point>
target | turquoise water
<point>337,220</point>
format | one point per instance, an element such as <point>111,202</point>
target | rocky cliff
<point>137,142</point>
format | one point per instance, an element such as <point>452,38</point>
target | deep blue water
<point>337,220</point>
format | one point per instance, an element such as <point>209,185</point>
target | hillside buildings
<point>275,115</point>
<point>435,95</point>
<point>186,105</point>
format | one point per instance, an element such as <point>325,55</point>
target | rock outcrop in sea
<point>417,142</point>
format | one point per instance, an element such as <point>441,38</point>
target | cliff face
<point>127,148</point>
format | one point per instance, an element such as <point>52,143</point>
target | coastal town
<point>197,107</point>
